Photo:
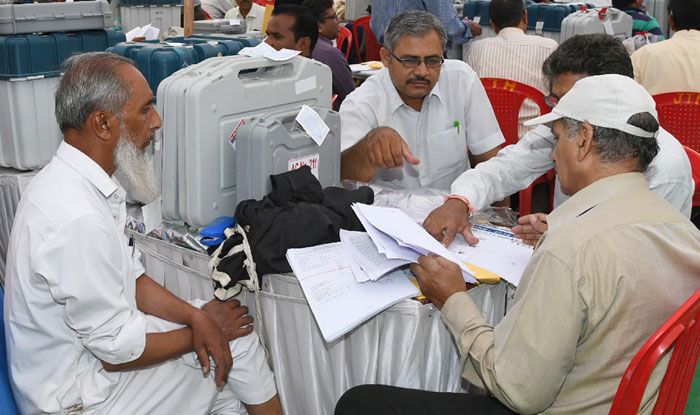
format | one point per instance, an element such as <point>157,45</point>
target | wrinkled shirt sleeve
<point>537,339</point>
<point>83,267</point>
<point>513,169</point>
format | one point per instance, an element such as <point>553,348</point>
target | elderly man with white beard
<point>87,330</point>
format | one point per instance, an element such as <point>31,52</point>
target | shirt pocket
<point>445,153</point>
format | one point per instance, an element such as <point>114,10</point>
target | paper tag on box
<point>477,19</point>
<point>152,215</point>
<point>608,27</point>
<point>234,22</point>
<point>538,27</point>
<point>313,124</point>
<point>310,160</point>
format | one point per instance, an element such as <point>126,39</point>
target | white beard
<point>135,170</point>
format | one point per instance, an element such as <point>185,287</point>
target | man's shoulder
<point>602,225</point>
<point>59,194</point>
<point>652,50</point>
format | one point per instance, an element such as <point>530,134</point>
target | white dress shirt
<point>254,19</point>
<point>517,166</point>
<point>71,287</point>
<point>216,9</point>
<point>512,54</point>
<point>456,117</point>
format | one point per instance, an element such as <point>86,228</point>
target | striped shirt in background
<point>642,23</point>
<point>512,54</point>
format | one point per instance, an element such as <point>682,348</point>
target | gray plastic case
<point>275,144</point>
<point>225,26</point>
<point>54,17</point>
<point>588,21</point>
<point>201,106</point>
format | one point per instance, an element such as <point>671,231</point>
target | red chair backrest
<point>506,98</point>
<point>344,41</point>
<point>694,158</point>
<point>363,36</point>
<point>679,114</point>
<point>680,332</point>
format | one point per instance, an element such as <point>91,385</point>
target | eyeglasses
<point>551,100</point>
<point>414,62</point>
<point>324,18</point>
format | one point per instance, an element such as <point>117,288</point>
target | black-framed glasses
<point>551,100</point>
<point>322,19</point>
<point>414,61</point>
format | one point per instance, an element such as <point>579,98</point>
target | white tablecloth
<point>405,345</point>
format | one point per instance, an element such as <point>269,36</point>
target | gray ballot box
<point>203,107</point>
<point>274,144</point>
<point>225,26</point>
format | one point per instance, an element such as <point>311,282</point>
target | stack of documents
<point>350,281</point>
<point>398,237</point>
<point>338,302</point>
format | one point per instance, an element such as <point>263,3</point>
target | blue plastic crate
<point>43,54</point>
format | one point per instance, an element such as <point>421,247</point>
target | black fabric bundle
<point>297,213</point>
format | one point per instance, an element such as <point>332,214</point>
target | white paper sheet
<point>152,215</point>
<point>363,255</point>
<point>338,302</point>
<point>408,234</point>
<point>267,51</point>
<point>498,251</point>
<point>313,124</point>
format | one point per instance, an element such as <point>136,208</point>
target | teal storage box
<point>157,62</point>
<point>43,54</point>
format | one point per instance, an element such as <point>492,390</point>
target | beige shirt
<point>513,55</point>
<point>616,262</point>
<point>670,66</point>
<point>254,19</point>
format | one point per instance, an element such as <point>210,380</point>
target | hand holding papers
<point>398,237</point>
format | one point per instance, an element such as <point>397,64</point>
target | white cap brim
<point>543,119</point>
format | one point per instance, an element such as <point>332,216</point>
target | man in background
<point>292,27</point>
<point>325,52</point>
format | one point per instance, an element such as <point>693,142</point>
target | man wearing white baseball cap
<point>616,262</point>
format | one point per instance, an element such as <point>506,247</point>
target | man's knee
<point>357,400</point>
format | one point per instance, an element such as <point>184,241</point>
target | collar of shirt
<point>511,32</point>
<point>594,194</point>
<point>322,38</point>
<point>87,168</point>
<point>687,35</point>
<point>395,100</point>
<point>253,11</point>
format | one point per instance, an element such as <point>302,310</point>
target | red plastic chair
<point>680,332</point>
<point>507,96</point>
<point>694,158</point>
<point>679,114</point>
<point>363,36</point>
<point>344,41</point>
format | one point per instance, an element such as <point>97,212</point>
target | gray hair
<point>417,23</point>
<point>90,82</point>
<point>614,145</point>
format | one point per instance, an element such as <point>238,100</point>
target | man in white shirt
<point>517,166</point>
<point>87,330</point>
<point>252,13</point>
<point>413,124</point>
<point>512,54</point>
<point>216,9</point>
<point>674,64</point>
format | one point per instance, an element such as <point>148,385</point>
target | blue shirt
<point>383,10</point>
